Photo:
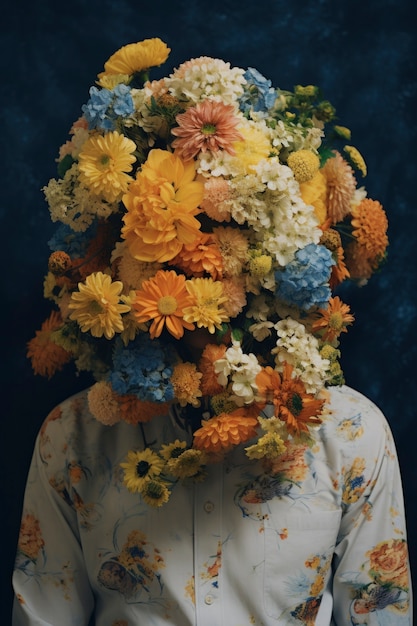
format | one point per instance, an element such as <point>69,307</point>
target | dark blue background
<point>363,56</point>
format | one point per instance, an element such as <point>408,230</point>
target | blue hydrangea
<point>259,95</point>
<point>74,244</point>
<point>143,368</point>
<point>106,105</point>
<point>305,281</point>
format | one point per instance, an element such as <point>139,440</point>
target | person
<point>218,470</point>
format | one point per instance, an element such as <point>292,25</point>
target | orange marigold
<point>185,380</point>
<point>201,257</point>
<point>220,433</point>
<point>209,383</point>
<point>46,356</point>
<point>370,225</point>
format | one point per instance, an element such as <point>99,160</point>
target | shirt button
<point>208,506</point>
<point>209,599</point>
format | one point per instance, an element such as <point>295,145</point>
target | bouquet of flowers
<point>205,223</point>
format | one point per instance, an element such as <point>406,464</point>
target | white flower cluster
<point>299,348</point>
<point>242,369</point>
<point>204,77</point>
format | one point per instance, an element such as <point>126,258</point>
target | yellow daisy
<point>137,57</point>
<point>96,306</point>
<point>103,163</point>
<point>207,311</point>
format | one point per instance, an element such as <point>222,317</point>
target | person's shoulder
<point>70,415</point>
<point>355,418</point>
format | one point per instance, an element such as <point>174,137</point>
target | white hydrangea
<point>205,77</point>
<point>241,369</point>
<point>296,346</point>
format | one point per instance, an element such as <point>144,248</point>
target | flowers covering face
<point>205,221</point>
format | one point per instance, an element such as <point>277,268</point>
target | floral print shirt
<point>321,541</point>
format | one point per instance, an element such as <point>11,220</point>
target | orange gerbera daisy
<point>341,184</point>
<point>292,403</point>
<point>333,320</point>
<point>137,57</point>
<point>339,271</point>
<point>46,356</point>
<point>209,384</point>
<point>209,125</point>
<point>200,257</point>
<point>220,433</point>
<point>370,224</point>
<point>162,300</point>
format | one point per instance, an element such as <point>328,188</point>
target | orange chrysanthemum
<point>162,299</point>
<point>341,184</point>
<point>161,206</point>
<point>360,266</point>
<point>292,403</point>
<point>333,320</point>
<point>209,384</point>
<point>201,257</point>
<point>185,380</point>
<point>221,433</point>
<point>370,224</point>
<point>46,356</point>
<point>209,125</point>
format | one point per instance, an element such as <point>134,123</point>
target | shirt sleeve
<point>50,579</point>
<point>371,572</point>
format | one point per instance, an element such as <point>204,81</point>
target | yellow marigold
<point>137,57</point>
<point>46,356</point>
<point>222,403</point>
<point>96,306</point>
<point>356,159</point>
<point>314,193</point>
<point>185,380</point>
<point>207,310</point>
<point>103,163</point>
<point>209,383</point>
<point>304,165</point>
<point>341,185</point>
<point>260,265</point>
<point>224,431</point>
<point>201,257</point>
<point>161,206</point>
<point>370,226</point>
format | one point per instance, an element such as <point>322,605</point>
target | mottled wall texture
<point>362,54</point>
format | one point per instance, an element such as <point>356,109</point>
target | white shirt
<point>322,542</point>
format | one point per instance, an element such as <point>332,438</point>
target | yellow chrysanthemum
<point>185,380</point>
<point>314,193</point>
<point>254,147</point>
<point>356,159</point>
<point>269,446</point>
<point>96,306</point>
<point>103,163</point>
<point>140,466</point>
<point>137,57</point>
<point>188,464</point>
<point>304,165</point>
<point>207,310</point>
<point>161,206</point>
